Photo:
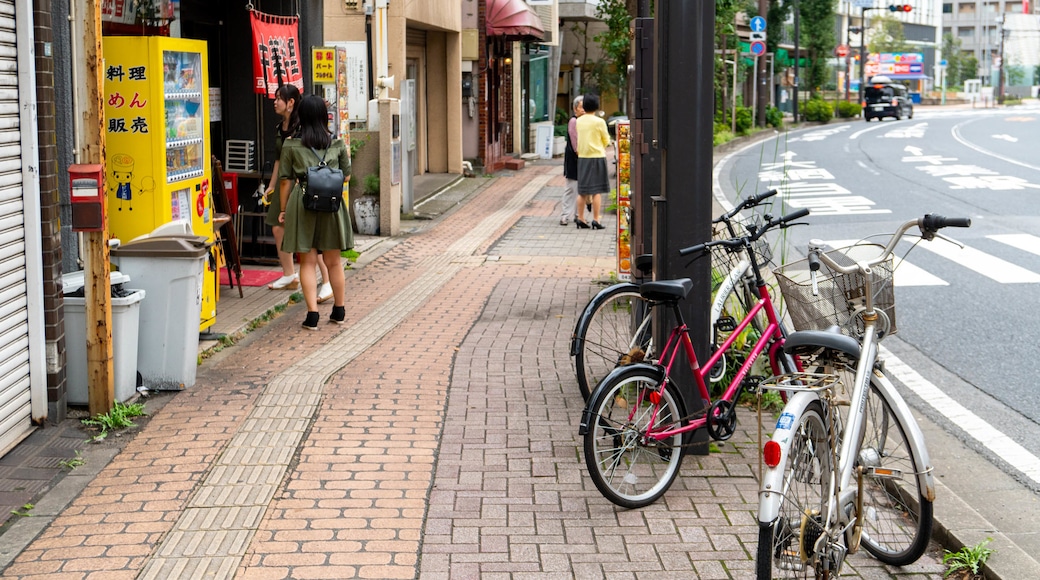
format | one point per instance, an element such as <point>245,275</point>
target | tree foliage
<point>610,73</point>
<point>951,52</point>
<point>886,35</point>
<point>817,35</point>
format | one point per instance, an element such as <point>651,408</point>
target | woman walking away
<point>570,168</point>
<point>286,101</point>
<point>593,140</point>
<point>308,232</point>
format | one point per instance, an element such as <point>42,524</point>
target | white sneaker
<point>285,283</point>
<point>324,292</point>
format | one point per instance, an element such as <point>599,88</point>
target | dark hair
<point>590,103</point>
<point>314,123</point>
<point>290,93</point>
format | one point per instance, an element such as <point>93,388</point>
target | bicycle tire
<point>897,518</point>
<point>784,544</point>
<point>614,329</point>
<point>629,469</point>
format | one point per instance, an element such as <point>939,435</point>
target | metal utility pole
<point>763,79</point>
<point>646,156</point>
<point>797,57</point>
<point>1000,69</point>
<point>682,213</point>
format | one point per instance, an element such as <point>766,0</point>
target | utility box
<point>126,312</point>
<point>169,269</point>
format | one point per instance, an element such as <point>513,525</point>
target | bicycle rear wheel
<point>897,519</point>
<point>617,331</point>
<point>786,546</point>
<point>629,467</point>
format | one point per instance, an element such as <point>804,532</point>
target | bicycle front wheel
<point>786,546</point>
<point>630,466</point>
<point>617,331</point>
<point>897,519</point>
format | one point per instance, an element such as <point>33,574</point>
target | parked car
<point>884,98</point>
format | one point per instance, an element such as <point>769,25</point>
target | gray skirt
<point>592,175</point>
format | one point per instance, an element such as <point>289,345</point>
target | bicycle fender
<point>655,372</point>
<point>586,314</point>
<point>770,494</point>
<point>917,445</point>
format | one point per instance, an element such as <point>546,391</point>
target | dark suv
<point>883,98</point>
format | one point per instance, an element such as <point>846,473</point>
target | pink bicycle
<point>635,421</point>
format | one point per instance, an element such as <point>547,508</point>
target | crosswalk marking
<point>906,274</point>
<point>988,265</point>
<point>1024,242</point>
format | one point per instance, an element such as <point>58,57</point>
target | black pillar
<point>682,213</point>
<point>646,157</point>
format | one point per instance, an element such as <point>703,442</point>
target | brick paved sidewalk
<point>434,436</point>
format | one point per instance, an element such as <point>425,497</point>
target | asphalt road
<point>968,315</point>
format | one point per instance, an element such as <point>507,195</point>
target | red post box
<point>86,188</point>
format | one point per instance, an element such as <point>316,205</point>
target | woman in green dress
<point>308,232</point>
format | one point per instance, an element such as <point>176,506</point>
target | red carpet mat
<point>252,277</point>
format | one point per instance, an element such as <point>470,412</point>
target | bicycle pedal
<point>726,324</point>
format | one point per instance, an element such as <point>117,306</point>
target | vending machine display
<point>157,141</point>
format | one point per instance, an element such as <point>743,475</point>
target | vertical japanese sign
<point>276,53</point>
<point>128,94</point>
<point>323,65</point>
<point>624,172</point>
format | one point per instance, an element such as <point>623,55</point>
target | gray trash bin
<point>169,269</point>
<point>126,310</point>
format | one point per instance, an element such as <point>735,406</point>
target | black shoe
<point>596,225</point>
<point>339,313</point>
<point>580,224</point>
<point>311,322</point>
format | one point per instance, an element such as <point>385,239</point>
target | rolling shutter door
<point>15,409</point>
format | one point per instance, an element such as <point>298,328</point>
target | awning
<point>514,20</point>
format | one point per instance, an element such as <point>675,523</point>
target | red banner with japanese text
<point>276,52</point>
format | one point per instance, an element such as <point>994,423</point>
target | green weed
<point>73,463</point>
<point>118,418</point>
<point>970,558</point>
<point>24,512</point>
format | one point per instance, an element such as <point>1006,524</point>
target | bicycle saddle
<point>664,290</point>
<point>807,342</point>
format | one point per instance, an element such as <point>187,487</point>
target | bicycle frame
<point>680,334</point>
<point>844,490</point>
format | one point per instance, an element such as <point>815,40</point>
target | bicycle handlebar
<point>929,225</point>
<point>748,203</point>
<point>771,223</point>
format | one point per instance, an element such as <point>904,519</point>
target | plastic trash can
<point>126,311</point>
<point>169,269</point>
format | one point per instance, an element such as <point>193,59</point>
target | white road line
<point>989,266</point>
<point>1000,444</point>
<point>906,274</point>
<point>1025,242</point>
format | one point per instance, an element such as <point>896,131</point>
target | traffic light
<point>900,8</point>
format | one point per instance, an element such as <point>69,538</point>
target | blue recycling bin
<point>915,98</point>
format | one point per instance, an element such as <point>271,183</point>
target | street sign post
<point>841,51</point>
<point>758,24</point>
<point>758,48</point>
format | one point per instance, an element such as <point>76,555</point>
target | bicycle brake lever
<point>949,239</point>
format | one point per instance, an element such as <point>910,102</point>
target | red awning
<point>513,19</point>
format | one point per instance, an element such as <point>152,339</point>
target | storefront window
<point>538,89</point>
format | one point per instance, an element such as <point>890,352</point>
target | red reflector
<point>654,397</point>
<point>771,453</point>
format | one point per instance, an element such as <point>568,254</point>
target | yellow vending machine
<point>157,163</point>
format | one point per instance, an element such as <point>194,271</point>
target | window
<point>990,8</point>
<point>1013,7</point>
<point>947,8</point>
<point>966,8</point>
<point>966,33</point>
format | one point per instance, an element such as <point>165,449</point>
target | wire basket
<point>841,299</point>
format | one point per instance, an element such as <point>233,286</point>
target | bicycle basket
<point>840,299</point>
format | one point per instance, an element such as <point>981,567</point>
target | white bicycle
<point>846,464</point>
